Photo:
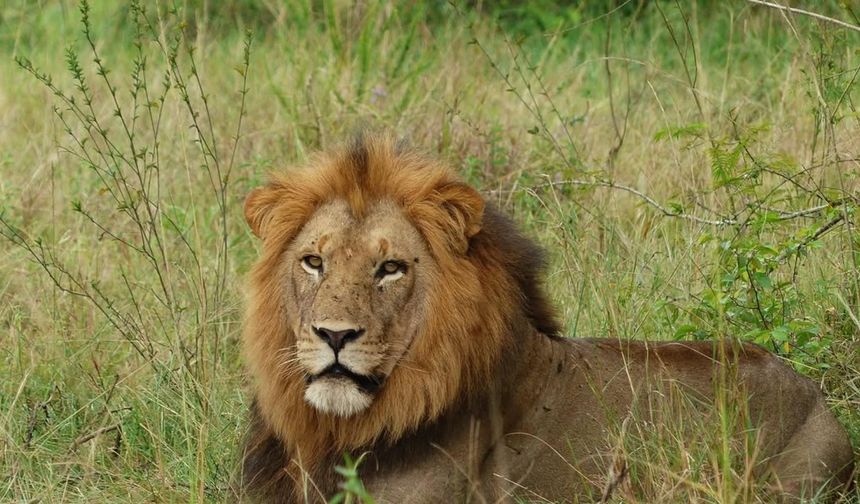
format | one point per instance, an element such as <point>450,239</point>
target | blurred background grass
<point>731,117</point>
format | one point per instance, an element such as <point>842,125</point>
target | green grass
<point>133,389</point>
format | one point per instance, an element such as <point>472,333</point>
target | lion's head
<point>385,293</point>
<point>356,288</point>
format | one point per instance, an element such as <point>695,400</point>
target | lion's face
<point>355,288</point>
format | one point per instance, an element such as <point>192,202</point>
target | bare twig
<point>668,212</point>
<point>647,199</point>
<point>529,101</point>
<point>92,435</point>
<point>832,223</point>
<point>802,12</point>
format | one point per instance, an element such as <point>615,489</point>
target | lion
<point>395,316</point>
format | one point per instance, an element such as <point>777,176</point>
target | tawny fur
<point>487,401</point>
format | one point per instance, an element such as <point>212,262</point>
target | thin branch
<point>647,199</point>
<point>92,435</point>
<point>795,10</point>
<point>832,223</point>
<point>783,215</point>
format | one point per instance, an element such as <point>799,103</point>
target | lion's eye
<point>312,262</point>
<point>390,268</point>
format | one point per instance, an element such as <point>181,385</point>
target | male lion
<point>396,316</point>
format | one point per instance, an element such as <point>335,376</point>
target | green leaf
<point>695,130</point>
<point>684,330</point>
<point>757,336</point>
<point>766,251</point>
<point>780,334</point>
<point>724,163</point>
<point>676,207</point>
<point>762,279</point>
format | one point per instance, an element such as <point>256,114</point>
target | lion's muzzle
<point>367,383</point>
<point>341,383</point>
<point>337,339</point>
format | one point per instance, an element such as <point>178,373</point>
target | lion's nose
<point>337,339</point>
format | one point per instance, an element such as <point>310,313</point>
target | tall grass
<point>690,166</point>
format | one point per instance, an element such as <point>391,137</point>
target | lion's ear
<point>259,205</point>
<point>465,209</point>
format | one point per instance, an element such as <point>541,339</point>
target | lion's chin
<point>337,396</point>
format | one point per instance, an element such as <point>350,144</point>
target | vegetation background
<point>690,165</point>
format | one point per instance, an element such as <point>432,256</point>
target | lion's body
<point>453,381</point>
<point>552,429</point>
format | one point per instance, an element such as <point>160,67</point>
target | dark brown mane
<point>526,262</point>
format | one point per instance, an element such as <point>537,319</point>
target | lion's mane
<point>488,290</point>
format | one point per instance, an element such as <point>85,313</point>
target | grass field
<point>691,167</point>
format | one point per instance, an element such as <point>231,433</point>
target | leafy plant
<point>352,488</point>
<point>167,287</point>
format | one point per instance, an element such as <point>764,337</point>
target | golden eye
<point>390,268</point>
<point>313,262</point>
